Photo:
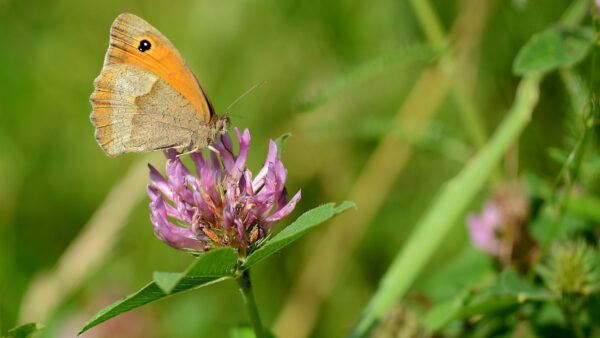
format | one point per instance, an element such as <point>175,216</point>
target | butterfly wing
<point>161,58</point>
<point>166,96</point>
<point>132,112</point>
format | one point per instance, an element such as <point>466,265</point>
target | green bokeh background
<point>53,175</point>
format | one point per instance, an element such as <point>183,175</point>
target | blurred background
<point>384,105</point>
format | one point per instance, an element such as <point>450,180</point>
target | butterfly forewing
<point>134,41</point>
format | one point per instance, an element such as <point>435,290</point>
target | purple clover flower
<point>222,205</point>
<point>484,228</point>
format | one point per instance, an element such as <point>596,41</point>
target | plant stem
<point>573,322</point>
<point>455,62</point>
<point>246,290</point>
<point>570,169</point>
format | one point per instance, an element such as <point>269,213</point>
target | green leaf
<point>246,331</point>
<point>585,206</point>
<point>554,47</point>
<point>167,281</point>
<point>542,226</point>
<point>466,268</point>
<point>558,155</point>
<point>301,226</point>
<point>509,290</point>
<point>510,283</point>
<point>538,186</point>
<point>216,263</point>
<point>25,330</point>
<point>581,205</point>
<point>211,267</point>
<point>442,314</point>
<point>149,293</point>
<point>487,306</point>
<point>280,142</point>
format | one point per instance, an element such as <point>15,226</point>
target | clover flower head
<point>221,204</point>
<point>571,268</point>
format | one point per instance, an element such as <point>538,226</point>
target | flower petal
<point>225,148</point>
<point>271,157</point>
<point>240,161</point>
<point>159,181</point>
<point>176,237</point>
<point>482,229</point>
<point>286,210</point>
<point>170,153</point>
<point>282,200</point>
<point>265,199</point>
<point>154,194</point>
<point>178,175</point>
<point>198,160</point>
<point>216,165</point>
<point>241,235</point>
<point>228,218</point>
<point>209,180</point>
<point>246,183</point>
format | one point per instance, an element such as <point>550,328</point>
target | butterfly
<point>147,98</point>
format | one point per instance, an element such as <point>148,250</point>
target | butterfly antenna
<point>242,96</point>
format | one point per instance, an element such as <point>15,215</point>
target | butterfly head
<point>221,124</point>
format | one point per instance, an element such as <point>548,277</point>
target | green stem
<point>570,169</point>
<point>467,107</point>
<point>569,173</point>
<point>573,322</point>
<point>246,290</point>
<point>431,24</point>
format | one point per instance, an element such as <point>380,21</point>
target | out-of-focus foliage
<point>341,77</point>
<point>553,48</point>
<point>25,330</point>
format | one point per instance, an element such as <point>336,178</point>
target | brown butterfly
<point>147,98</point>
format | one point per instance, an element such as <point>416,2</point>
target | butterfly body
<point>146,97</point>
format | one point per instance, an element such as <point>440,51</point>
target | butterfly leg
<point>211,148</point>
<point>189,152</point>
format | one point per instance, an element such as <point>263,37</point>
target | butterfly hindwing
<point>131,112</point>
